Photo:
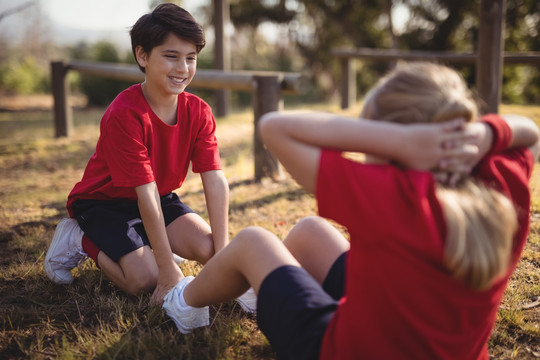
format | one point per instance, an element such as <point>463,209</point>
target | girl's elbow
<point>535,149</point>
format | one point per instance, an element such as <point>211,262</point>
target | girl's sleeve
<point>502,134</point>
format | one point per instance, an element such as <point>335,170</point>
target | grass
<point>93,319</point>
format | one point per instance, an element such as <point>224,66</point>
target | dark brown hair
<point>152,29</point>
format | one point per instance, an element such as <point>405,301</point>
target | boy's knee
<point>140,284</point>
<point>206,250</point>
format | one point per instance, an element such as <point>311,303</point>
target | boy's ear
<point>141,56</point>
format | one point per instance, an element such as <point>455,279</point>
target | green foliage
<point>23,77</point>
<point>315,27</point>
<point>100,91</point>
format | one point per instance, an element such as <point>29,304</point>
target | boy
<point>130,220</point>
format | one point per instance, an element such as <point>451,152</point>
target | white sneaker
<point>248,301</point>
<point>184,316</point>
<point>65,251</point>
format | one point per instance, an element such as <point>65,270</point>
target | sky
<point>95,14</point>
<point>101,14</point>
<point>73,20</point>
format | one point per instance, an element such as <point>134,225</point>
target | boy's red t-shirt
<point>400,302</point>
<point>135,148</point>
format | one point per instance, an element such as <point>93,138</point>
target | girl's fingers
<point>458,138</point>
<point>456,124</point>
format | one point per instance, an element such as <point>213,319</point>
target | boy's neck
<point>165,107</point>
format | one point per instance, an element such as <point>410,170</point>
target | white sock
<point>182,300</point>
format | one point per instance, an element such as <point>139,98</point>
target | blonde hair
<point>480,221</point>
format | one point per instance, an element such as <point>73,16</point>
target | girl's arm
<point>296,139</point>
<point>154,224</point>
<point>216,192</point>
<point>525,133</point>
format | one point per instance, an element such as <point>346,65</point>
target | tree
<point>315,27</point>
<point>99,91</point>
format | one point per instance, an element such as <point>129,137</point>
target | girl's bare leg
<point>246,261</point>
<point>316,244</point>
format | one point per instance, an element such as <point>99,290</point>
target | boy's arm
<point>154,224</point>
<point>216,192</point>
<point>296,138</point>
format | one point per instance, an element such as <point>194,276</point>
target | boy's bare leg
<point>191,237</point>
<point>246,261</point>
<point>134,272</point>
<point>316,244</point>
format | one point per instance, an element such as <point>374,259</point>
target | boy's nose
<point>182,66</point>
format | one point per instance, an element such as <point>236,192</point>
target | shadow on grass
<point>291,195</point>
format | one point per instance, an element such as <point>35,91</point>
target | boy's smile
<point>169,67</point>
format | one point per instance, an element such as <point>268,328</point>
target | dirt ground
<point>35,102</point>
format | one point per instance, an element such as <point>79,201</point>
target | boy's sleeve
<point>126,154</point>
<point>206,153</point>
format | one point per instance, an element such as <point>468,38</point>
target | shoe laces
<point>73,258</point>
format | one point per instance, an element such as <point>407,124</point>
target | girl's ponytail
<point>480,223</point>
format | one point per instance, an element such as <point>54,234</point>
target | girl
<point>430,254</point>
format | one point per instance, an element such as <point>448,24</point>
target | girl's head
<point>420,92</point>
<point>152,29</point>
<point>480,221</point>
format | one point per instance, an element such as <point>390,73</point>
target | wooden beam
<point>222,53</point>
<point>527,57</point>
<point>348,82</point>
<point>266,98</point>
<point>63,115</point>
<point>204,79</point>
<point>489,63</point>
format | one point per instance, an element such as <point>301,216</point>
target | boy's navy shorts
<point>115,226</point>
<point>293,310</point>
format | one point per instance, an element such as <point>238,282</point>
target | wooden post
<point>222,54</point>
<point>266,98</point>
<point>63,116</point>
<point>490,60</point>
<point>348,82</point>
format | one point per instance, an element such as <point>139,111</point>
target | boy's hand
<point>166,281</point>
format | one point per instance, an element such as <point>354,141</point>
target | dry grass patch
<point>93,319</point>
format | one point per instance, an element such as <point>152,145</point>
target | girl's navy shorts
<point>115,226</point>
<point>293,310</point>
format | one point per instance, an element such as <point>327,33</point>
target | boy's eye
<point>170,56</point>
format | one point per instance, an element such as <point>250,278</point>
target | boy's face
<point>169,67</point>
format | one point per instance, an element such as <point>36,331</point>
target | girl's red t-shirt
<point>400,301</point>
